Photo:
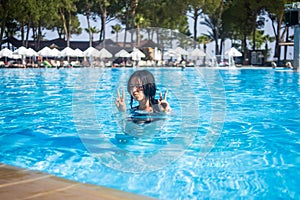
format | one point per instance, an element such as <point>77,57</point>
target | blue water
<point>232,134</point>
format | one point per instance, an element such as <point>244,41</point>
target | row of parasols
<point>232,52</point>
<point>136,54</point>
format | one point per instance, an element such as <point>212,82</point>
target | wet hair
<point>148,82</point>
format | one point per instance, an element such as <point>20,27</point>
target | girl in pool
<point>141,87</point>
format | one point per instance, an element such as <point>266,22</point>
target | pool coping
<point>18,183</point>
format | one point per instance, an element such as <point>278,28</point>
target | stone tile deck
<point>17,183</point>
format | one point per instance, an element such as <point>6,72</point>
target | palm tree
<point>213,33</point>
<point>261,39</point>
<point>92,31</point>
<point>139,22</point>
<point>133,6</point>
<point>267,39</point>
<point>116,29</point>
<point>195,8</point>
<point>204,39</point>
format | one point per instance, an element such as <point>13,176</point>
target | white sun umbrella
<point>55,52</point>
<point>171,53</point>
<point>233,52</point>
<point>6,53</point>
<point>91,51</point>
<point>197,53</point>
<point>157,54</point>
<point>31,52</point>
<point>136,54</point>
<point>45,52</point>
<point>22,51</point>
<point>104,53</point>
<point>16,56</point>
<point>181,51</point>
<point>79,53</point>
<point>123,54</point>
<point>68,52</point>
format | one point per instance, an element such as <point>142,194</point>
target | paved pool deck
<point>18,183</point>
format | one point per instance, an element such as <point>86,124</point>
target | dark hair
<point>148,82</point>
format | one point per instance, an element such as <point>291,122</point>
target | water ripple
<point>257,155</point>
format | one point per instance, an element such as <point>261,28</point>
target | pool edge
<point>19,183</point>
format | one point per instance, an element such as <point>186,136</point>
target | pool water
<point>232,133</point>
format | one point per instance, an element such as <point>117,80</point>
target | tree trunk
<point>204,47</point>
<point>195,25</point>
<point>244,46</point>
<point>254,35</point>
<point>138,36</point>
<point>216,46</point>
<point>64,22</point>
<point>39,34</point>
<point>4,17</point>
<point>286,40</point>
<point>22,33</point>
<point>221,45</point>
<point>89,28</point>
<point>34,39</point>
<point>275,34</point>
<point>219,21</point>
<point>277,47</point>
<point>134,6</point>
<point>126,26</point>
<point>87,8</point>
<point>158,36</point>
<point>68,33</point>
<point>27,33</point>
<point>131,33</point>
<point>103,25</point>
<point>103,12</point>
<point>266,51</point>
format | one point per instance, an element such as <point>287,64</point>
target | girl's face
<point>136,89</point>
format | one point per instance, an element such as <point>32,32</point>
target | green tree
<point>134,5</point>
<point>106,10</point>
<point>239,28</point>
<point>267,39</point>
<point>67,10</point>
<point>204,39</point>
<point>213,20</point>
<point>23,16</point>
<point>275,10</point>
<point>102,12</point>
<point>87,8</point>
<point>121,10</point>
<point>261,39</point>
<point>195,7</point>
<point>170,14</point>
<point>7,13</point>
<point>91,31</point>
<point>115,30</point>
<point>255,8</point>
<point>34,15</point>
<point>42,19</point>
<point>262,42</point>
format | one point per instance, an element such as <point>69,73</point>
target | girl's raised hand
<point>162,102</point>
<point>120,101</point>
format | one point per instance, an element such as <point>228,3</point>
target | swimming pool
<point>232,134</point>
